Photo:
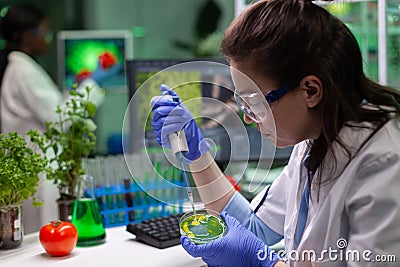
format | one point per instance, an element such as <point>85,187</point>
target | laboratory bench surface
<point>120,249</point>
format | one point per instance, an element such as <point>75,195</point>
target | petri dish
<point>204,227</point>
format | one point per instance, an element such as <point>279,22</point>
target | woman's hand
<point>239,247</point>
<point>171,116</point>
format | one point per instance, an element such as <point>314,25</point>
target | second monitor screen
<point>207,95</point>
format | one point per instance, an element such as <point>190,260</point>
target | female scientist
<point>338,198</point>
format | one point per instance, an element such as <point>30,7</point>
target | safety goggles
<point>254,107</point>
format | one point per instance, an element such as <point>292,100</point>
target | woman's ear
<point>311,86</point>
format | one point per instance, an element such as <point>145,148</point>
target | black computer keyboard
<point>158,232</point>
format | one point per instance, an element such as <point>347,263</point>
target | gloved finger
<point>161,137</point>
<point>171,128</point>
<point>223,214</point>
<point>159,101</point>
<point>230,220</point>
<point>157,124</point>
<point>163,111</point>
<point>165,128</point>
<point>167,124</point>
<point>164,141</point>
<point>192,249</point>
<point>179,121</point>
<point>165,89</point>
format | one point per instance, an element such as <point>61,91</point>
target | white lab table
<point>120,249</point>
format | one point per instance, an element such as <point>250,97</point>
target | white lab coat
<point>29,98</point>
<point>361,208</point>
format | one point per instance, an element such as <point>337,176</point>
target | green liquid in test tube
<point>120,201</point>
<point>162,193</point>
<point>139,214</point>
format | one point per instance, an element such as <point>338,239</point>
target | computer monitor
<point>78,53</point>
<point>206,88</point>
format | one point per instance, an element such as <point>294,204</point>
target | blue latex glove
<point>239,247</point>
<point>101,74</point>
<point>170,116</point>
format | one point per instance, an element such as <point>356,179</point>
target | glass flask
<point>86,215</point>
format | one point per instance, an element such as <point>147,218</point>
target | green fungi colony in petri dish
<point>202,228</point>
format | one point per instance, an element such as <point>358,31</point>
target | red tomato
<point>58,238</point>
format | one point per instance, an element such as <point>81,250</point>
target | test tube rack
<point>121,204</point>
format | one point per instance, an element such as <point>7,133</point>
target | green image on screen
<point>82,55</point>
<point>187,91</point>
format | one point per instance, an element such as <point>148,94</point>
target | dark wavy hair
<point>288,40</point>
<point>18,18</point>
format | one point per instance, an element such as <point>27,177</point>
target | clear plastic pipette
<point>179,145</point>
<point>180,158</point>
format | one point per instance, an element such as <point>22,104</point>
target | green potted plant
<point>20,166</point>
<point>67,140</point>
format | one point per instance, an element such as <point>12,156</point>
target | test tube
<point>103,169</point>
<point>128,198</point>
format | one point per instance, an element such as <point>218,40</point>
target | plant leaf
<point>90,108</point>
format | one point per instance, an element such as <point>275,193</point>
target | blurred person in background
<point>28,95</point>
